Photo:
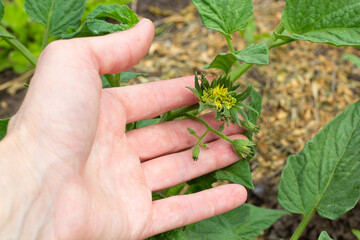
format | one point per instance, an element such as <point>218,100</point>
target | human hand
<point>68,169</point>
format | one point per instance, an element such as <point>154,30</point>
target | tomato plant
<point>322,178</point>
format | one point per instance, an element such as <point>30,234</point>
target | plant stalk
<point>179,112</point>
<point>229,42</point>
<point>208,127</point>
<point>114,80</point>
<point>13,42</point>
<point>302,225</point>
<point>242,68</point>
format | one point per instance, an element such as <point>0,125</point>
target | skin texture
<point>68,170</point>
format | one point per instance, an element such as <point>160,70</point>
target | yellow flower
<point>219,97</point>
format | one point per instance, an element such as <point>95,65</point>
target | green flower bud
<point>221,128</point>
<point>192,131</point>
<point>196,152</point>
<point>250,126</point>
<point>242,147</point>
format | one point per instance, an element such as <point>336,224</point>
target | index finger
<point>149,100</point>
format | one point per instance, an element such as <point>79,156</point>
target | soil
<point>304,86</point>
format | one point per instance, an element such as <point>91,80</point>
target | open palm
<point>94,181</point>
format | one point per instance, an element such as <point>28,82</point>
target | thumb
<point>66,88</point>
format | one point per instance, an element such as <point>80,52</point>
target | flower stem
<point>13,42</point>
<point>202,136</point>
<point>302,225</point>
<point>208,127</point>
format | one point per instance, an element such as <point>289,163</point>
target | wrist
<point>24,202</point>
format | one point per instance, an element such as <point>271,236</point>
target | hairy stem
<point>242,68</point>
<point>302,225</point>
<point>13,42</point>
<point>208,127</point>
<point>202,136</point>
<point>171,115</point>
<point>231,46</point>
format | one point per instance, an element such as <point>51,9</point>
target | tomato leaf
<point>324,176</point>
<point>2,9</point>
<point>259,220</point>
<point>356,233</point>
<point>121,13</point>
<point>254,54</point>
<point>238,172</point>
<point>324,236</point>
<point>3,127</point>
<point>56,15</point>
<point>255,103</point>
<point>95,24</point>
<point>245,222</point>
<point>335,22</point>
<point>225,16</point>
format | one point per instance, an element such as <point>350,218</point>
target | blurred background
<point>304,86</point>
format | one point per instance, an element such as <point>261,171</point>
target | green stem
<point>242,68</point>
<point>279,29</point>
<point>202,137</point>
<point>118,79</point>
<point>278,43</point>
<point>114,80</point>
<point>208,127</point>
<point>179,112</point>
<point>239,71</point>
<point>13,42</point>
<point>306,219</point>
<point>231,46</point>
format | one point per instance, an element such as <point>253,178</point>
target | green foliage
<point>245,223</point>
<point>56,16</point>
<point>324,236</point>
<point>94,27</point>
<point>3,127</point>
<point>334,22</point>
<point>259,220</point>
<point>31,35</point>
<point>238,172</point>
<point>92,4</point>
<point>2,10</point>
<point>356,233</point>
<point>95,24</point>
<point>254,54</point>
<point>127,76</point>
<point>117,80</point>
<point>225,16</point>
<point>121,13</point>
<point>168,192</point>
<point>147,122</point>
<point>324,175</point>
<point>255,103</point>
<point>352,58</point>
<point>201,183</point>
<point>16,19</point>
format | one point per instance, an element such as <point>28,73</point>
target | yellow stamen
<point>219,97</point>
